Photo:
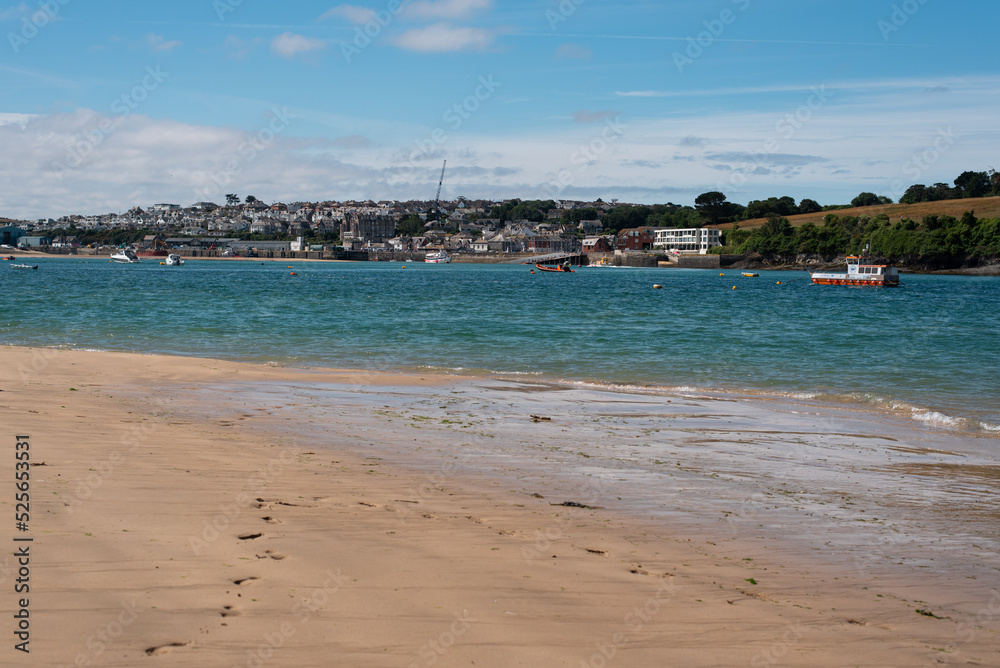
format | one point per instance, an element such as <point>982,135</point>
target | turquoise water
<point>929,349</point>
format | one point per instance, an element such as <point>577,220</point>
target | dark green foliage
<point>809,206</point>
<point>866,199</point>
<point>973,184</point>
<point>410,225</point>
<point>939,240</point>
<point>515,209</point>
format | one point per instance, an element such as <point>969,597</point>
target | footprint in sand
<point>163,649</point>
<point>268,554</point>
<point>639,570</point>
<point>230,611</point>
<point>271,520</point>
<point>242,582</point>
<point>250,536</point>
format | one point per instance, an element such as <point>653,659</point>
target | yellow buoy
<point>734,287</point>
<point>778,283</point>
<point>721,274</point>
<point>404,266</point>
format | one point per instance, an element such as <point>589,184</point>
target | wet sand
<point>203,513</point>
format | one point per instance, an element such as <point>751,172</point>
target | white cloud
<point>853,143</point>
<point>159,44</point>
<point>239,49</point>
<point>352,13</point>
<point>289,45</point>
<point>446,9</point>
<point>14,12</point>
<point>444,37</point>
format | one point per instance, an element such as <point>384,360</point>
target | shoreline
<point>378,519</point>
<point>992,270</point>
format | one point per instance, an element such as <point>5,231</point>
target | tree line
<point>935,242</point>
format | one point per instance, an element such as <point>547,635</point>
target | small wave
<point>935,418</point>
<point>986,426</point>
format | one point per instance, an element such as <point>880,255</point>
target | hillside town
<point>460,226</point>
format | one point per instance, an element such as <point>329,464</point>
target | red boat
<point>862,270</point>
<point>560,268</point>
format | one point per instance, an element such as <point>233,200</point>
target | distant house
<point>10,235</point>
<point>636,238</point>
<point>597,245</point>
<point>688,241</point>
<point>33,242</point>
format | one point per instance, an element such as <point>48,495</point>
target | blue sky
<point>112,104</point>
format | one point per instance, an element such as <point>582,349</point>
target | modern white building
<point>687,241</point>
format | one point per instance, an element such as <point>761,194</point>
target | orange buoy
<point>734,287</point>
<point>294,274</point>
<point>404,266</point>
<point>778,283</point>
<point>721,274</point>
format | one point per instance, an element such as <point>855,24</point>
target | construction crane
<point>437,198</point>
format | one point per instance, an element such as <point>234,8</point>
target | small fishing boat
<point>9,257</point>
<point>559,268</point>
<point>862,270</point>
<point>125,256</point>
<point>24,266</point>
<point>174,260</point>
<point>437,257</point>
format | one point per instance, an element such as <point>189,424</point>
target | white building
<point>687,241</point>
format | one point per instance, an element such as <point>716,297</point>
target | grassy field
<point>983,207</point>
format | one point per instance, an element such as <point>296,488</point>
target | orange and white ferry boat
<point>861,270</point>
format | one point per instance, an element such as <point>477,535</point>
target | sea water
<point>928,351</point>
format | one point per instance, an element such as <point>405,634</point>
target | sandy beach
<point>195,512</point>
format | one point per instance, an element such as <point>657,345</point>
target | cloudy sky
<point>110,104</point>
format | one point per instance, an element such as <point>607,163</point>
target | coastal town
<point>462,227</point>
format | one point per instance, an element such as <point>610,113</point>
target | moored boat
<point>24,266</point>
<point>559,268</point>
<point>863,271</point>
<point>125,256</point>
<point>437,257</point>
<point>174,260</point>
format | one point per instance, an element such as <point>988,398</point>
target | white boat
<point>174,260</point>
<point>125,256</point>
<point>862,270</point>
<point>437,257</point>
<point>24,266</point>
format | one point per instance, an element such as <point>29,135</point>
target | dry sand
<point>168,534</point>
